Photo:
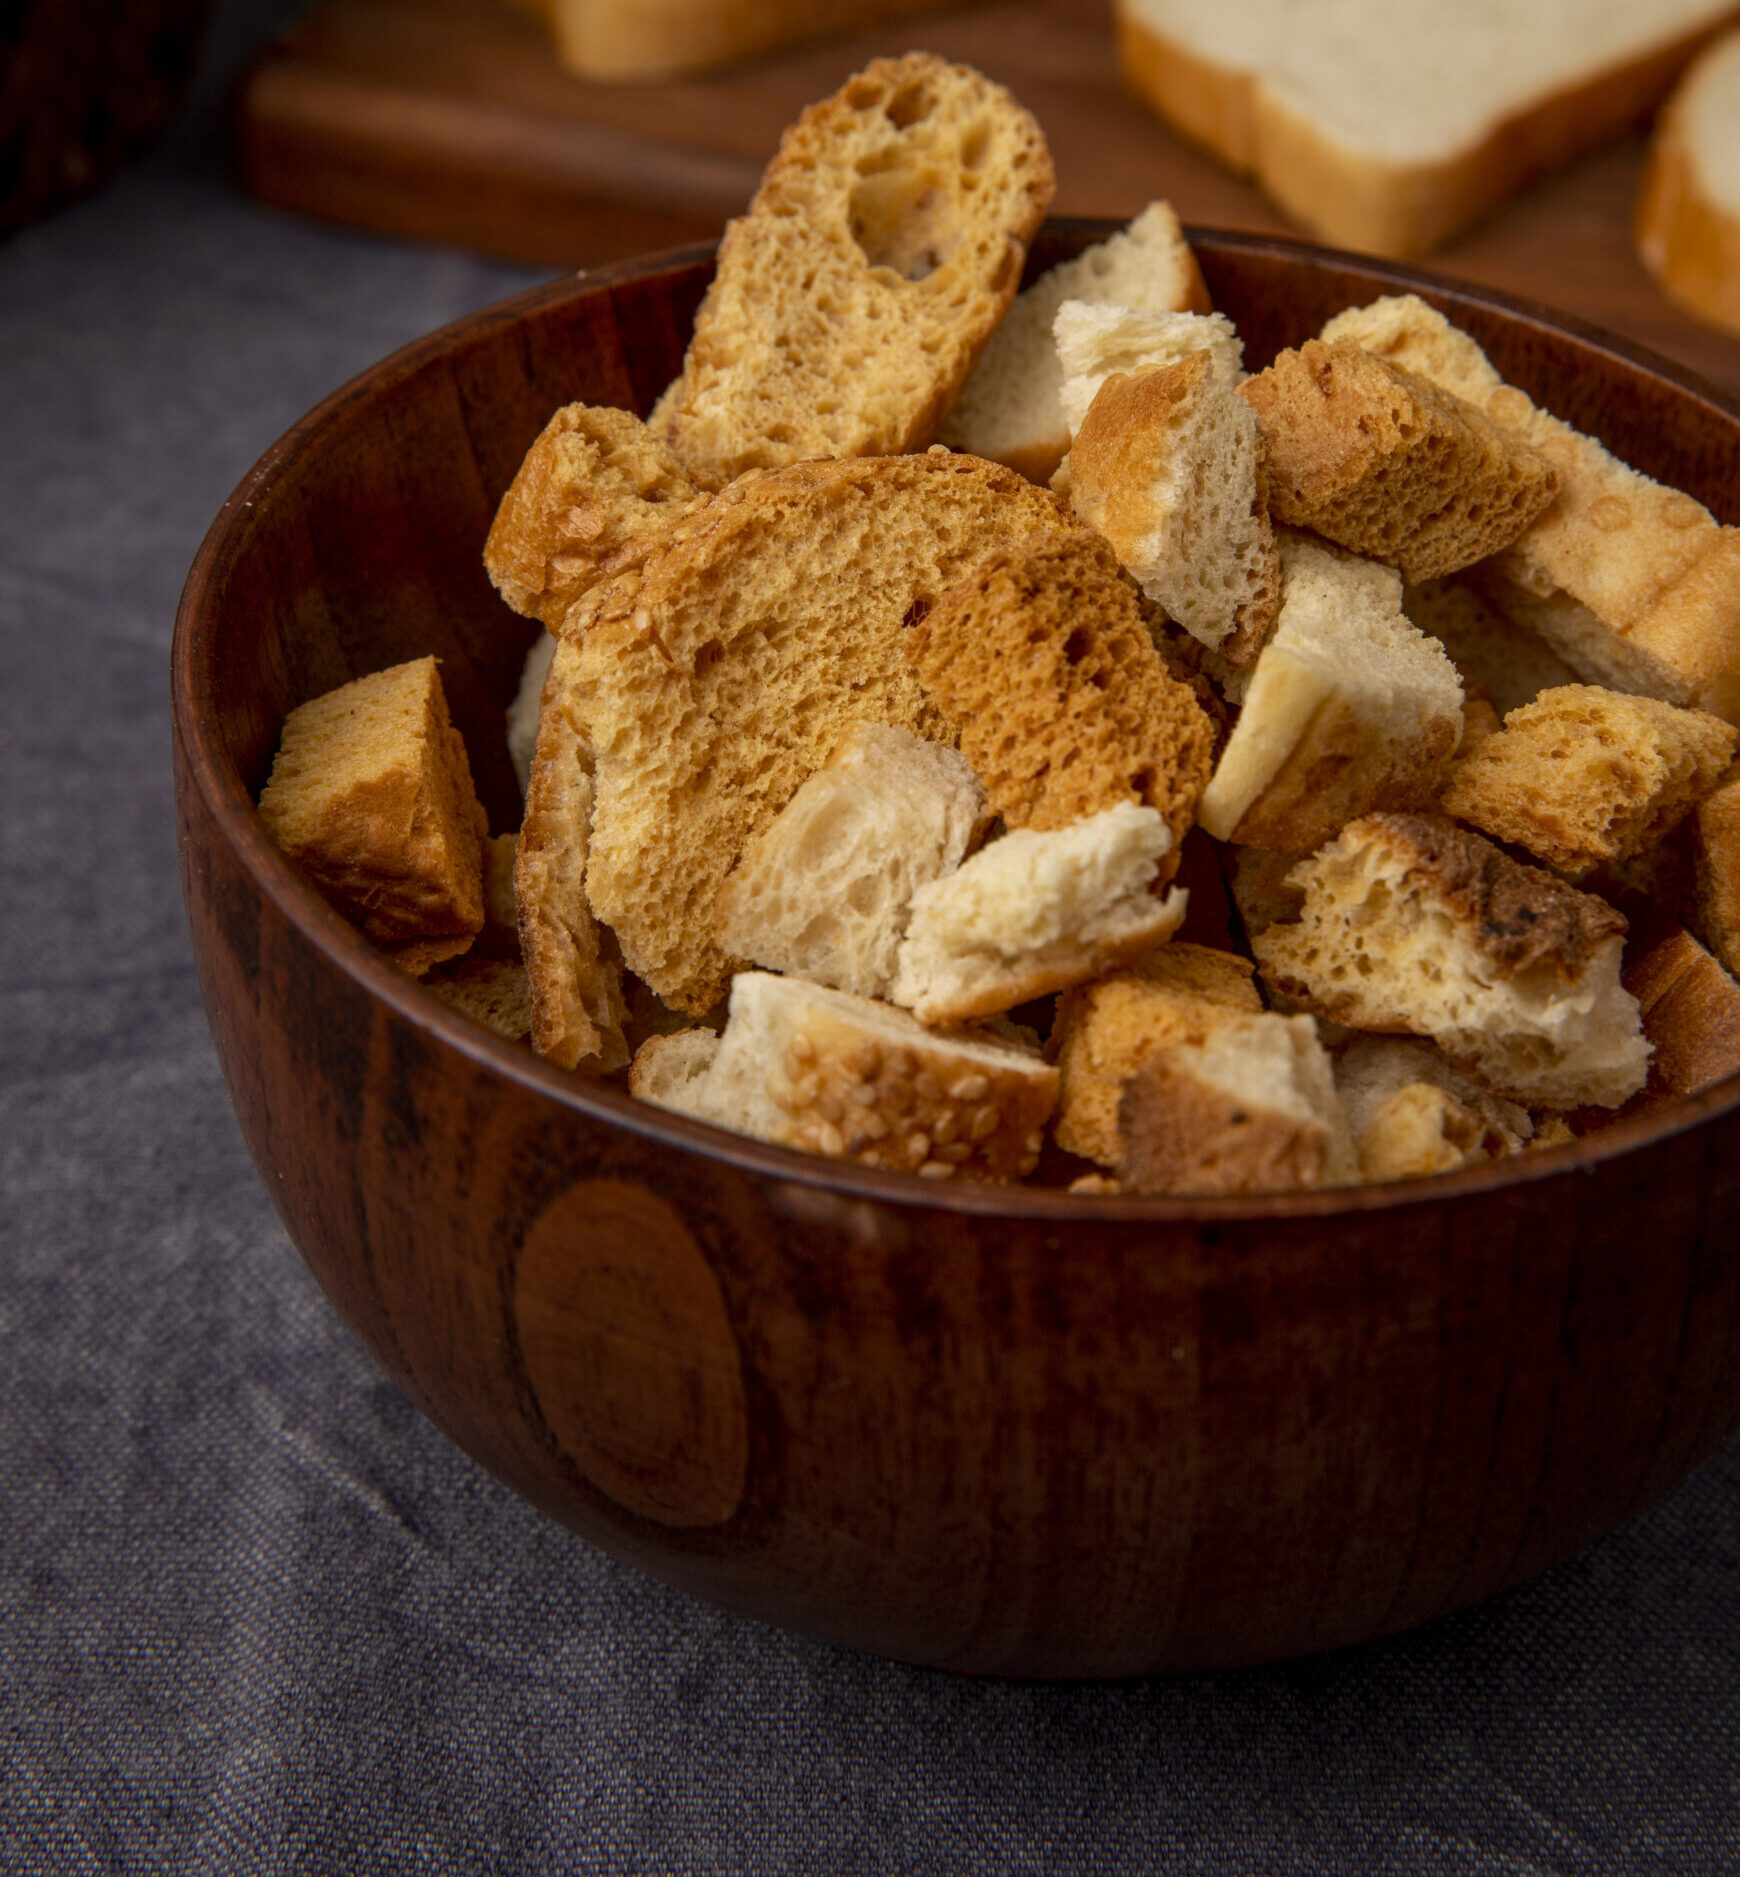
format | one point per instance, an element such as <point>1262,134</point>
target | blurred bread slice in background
<point>1393,128</point>
<point>1688,208</point>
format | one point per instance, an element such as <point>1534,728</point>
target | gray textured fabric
<point>256,1615</point>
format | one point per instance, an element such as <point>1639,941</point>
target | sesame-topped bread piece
<point>1033,913</point>
<point>1041,660</point>
<point>574,984</point>
<point>1168,465</point>
<point>1411,923</point>
<point>594,491</point>
<point>1350,708</point>
<point>844,1076</point>
<point>1635,585</point>
<point>823,890</point>
<point>1251,1108</point>
<point>1584,775</point>
<point>851,301</point>
<point>1010,410</point>
<point>1106,1030</point>
<point>1388,464</point>
<point>726,672</point>
<point>371,795</point>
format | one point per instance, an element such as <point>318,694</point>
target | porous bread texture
<point>1251,1108</point>
<point>1033,913</point>
<point>1511,663</point>
<point>1041,661</point>
<point>1688,205</point>
<point>1011,409</point>
<point>522,713</point>
<point>1387,464</point>
<point>1691,1014</point>
<point>1105,1030</point>
<point>491,991</point>
<point>1392,129</point>
<point>1412,1112</point>
<point>1715,843</point>
<point>823,890</point>
<point>1412,923</point>
<point>575,986</point>
<point>593,491</point>
<point>371,795</point>
<point>818,1069</point>
<point>875,261</point>
<point>1093,342</point>
<point>1636,586</point>
<point>1584,775</point>
<point>1168,465</point>
<point>721,676</point>
<point>1350,709</point>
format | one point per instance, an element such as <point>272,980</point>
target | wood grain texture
<point>999,1430</point>
<point>450,120</point>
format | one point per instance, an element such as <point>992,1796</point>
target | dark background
<point>256,1615</point>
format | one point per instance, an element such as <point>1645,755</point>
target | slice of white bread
<point>1385,463</point>
<point>823,890</point>
<point>575,986</point>
<point>844,1076</point>
<point>522,713</point>
<point>1251,1108</point>
<point>1412,1112</point>
<point>1414,924</point>
<point>1033,913</point>
<point>881,250</point>
<point>1394,127</point>
<point>644,42</point>
<point>1169,465</point>
<point>371,795</point>
<point>1688,208</point>
<point>1350,708</point>
<point>1583,775</point>
<point>726,672</point>
<point>1510,662</point>
<point>593,492</point>
<point>1011,409</point>
<point>1636,586</point>
<point>1043,663</point>
<point>1106,1029</point>
<point>1093,342</point>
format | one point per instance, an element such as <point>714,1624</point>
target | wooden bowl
<point>996,1430</point>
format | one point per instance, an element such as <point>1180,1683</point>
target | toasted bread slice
<point>726,672</point>
<point>1691,1014</point>
<point>522,713</point>
<point>823,891</point>
<point>1413,1112</point>
<point>1715,854</point>
<point>1635,586</point>
<point>1350,709</point>
<point>1033,913</point>
<point>1011,409</point>
<point>1387,464</point>
<point>853,1079</point>
<point>1413,924</point>
<point>491,991</point>
<point>1252,1108</point>
<point>1106,1030</point>
<point>371,795</point>
<point>1096,342</point>
<point>575,985</point>
<point>1168,465</point>
<point>1584,775</point>
<point>594,491</point>
<point>1042,662</point>
<point>881,250</point>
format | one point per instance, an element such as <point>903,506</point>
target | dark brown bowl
<point>1000,1430</point>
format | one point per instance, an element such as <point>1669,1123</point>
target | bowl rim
<point>328,932</point>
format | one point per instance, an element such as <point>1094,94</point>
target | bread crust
<point>1691,1013</point>
<point>1687,240</point>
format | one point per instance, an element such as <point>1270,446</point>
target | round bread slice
<point>730,668</point>
<point>1688,209</point>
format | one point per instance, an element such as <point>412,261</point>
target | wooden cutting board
<point>450,120</point>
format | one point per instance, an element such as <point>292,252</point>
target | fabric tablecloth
<point>257,1615</point>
